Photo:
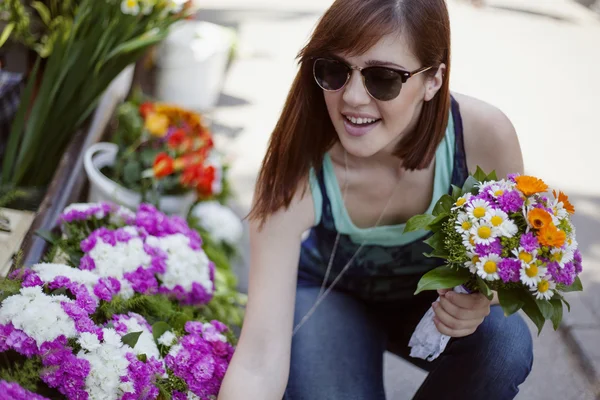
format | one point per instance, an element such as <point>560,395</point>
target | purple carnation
<point>59,282</point>
<point>106,288</point>
<point>12,391</point>
<point>529,242</point>
<point>83,322</point>
<point>87,263</point>
<point>63,370</point>
<point>118,322</point>
<point>143,375</point>
<point>565,275</point>
<point>83,298</point>
<point>512,177</point>
<point>509,270</point>
<point>198,295</point>
<point>122,235</point>
<point>495,247</point>
<point>95,211</point>
<point>17,340</point>
<point>179,395</point>
<point>32,280</point>
<point>142,281</point>
<point>484,195</point>
<point>158,224</point>
<point>221,327</point>
<point>106,235</point>
<point>88,243</point>
<point>510,201</point>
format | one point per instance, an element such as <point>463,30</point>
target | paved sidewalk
<point>536,60</point>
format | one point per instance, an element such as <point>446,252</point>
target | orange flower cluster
<point>540,219</point>
<point>188,144</point>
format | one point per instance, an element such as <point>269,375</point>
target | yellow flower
<point>157,124</point>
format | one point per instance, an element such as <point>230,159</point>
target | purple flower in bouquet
<point>510,201</point>
<point>12,391</point>
<point>143,376</point>
<point>565,274</point>
<point>577,261</point>
<point>509,270</point>
<point>495,247</point>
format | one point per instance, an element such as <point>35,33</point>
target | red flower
<point>199,176</point>
<point>163,165</point>
<point>176,138</point>
<point>146,108</point>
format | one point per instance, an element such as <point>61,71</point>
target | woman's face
<point>391,118</point>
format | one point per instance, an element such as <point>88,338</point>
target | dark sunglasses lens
<point>383,83</point>
<point>330,74</point>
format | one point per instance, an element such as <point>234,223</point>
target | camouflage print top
<point>391,262</point>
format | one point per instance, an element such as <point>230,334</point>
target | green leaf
<point>492,176</point>
<point>148,156</point>
<point>469,184</point>
<point>442,277</point>
<point>560,297</point>
<point>142,357</point>
<point>533,311</point>
<point>443,205</point>
<point>456,192</point>
<point>43,12</point>
<point>480,175</point>
<point>545,308</point>
<point>557,313</point>
<point>131,339</point>
<point>48,236</point>
<point>484,288</point>
<point>159,328</point>
<point>438,222</point>
<point>418,222</point>
<point>510,300</point>
<point>575,287</point>
<point>6,33</point>
<point>436,241</point>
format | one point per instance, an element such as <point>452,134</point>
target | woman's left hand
<point>459,315</point>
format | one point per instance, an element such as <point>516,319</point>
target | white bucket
<point>103,154</point>
<point>191,64</point>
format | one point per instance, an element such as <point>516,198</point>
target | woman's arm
<point>260,365</point>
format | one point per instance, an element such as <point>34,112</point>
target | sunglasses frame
<point>404,75</point>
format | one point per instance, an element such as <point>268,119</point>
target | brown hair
<point>304,131</point>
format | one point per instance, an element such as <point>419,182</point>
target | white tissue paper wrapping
<point>426,341</point>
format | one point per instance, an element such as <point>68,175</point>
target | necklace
<point>324,292</point>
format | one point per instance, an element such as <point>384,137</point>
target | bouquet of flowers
<point>166,149</point>
<point>511,236</point>
<point>120,318</point>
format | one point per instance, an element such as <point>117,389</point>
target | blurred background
<point>536,60</point>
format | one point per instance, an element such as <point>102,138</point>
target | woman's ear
<point>434,83</point>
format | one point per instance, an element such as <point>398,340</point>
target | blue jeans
<point>338,352</point>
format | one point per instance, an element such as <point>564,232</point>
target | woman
<point>369,137</point>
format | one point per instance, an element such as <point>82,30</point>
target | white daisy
<point>532,274</point>
<point>544,290</point>
<point>461,201</point>
<point>473,262</point>
<point>483,232</point>
<point>525,257</point>
<point>487,267</point>
<point>463,223</point>
<point>131,7</point>
<point>498,188</point>
<point>561,256</point>
<point>502,224</point>
<point>468,241</point>
<point>478,208</point>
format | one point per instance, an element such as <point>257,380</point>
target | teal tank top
<point>391,262</point>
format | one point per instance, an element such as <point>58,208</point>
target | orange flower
<point>551,236</point>
<point>530,185</point>
<point>176,138</point>
<point>163,165</point>
<point>565,200</point>
<point>157,124</point>
<point>145,109</point>
<point>539,218</point>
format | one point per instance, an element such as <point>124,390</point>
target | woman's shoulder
<point>490,138</point>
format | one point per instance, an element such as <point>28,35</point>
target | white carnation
<point>48,272</point>
<point>38,315</point>
<point>121,215</point>
<point>184,264</point>
<point>167,338</point>
<point>219,221</point>
<point>89,341</point>
<point>83,207</point>
<point>145,344</point>
<point>108,364</point>
<point>117,260</point>
<point>192,396</point>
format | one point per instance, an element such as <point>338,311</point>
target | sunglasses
<point>382,83</point>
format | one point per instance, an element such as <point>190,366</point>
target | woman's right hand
<point>259,368</point>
